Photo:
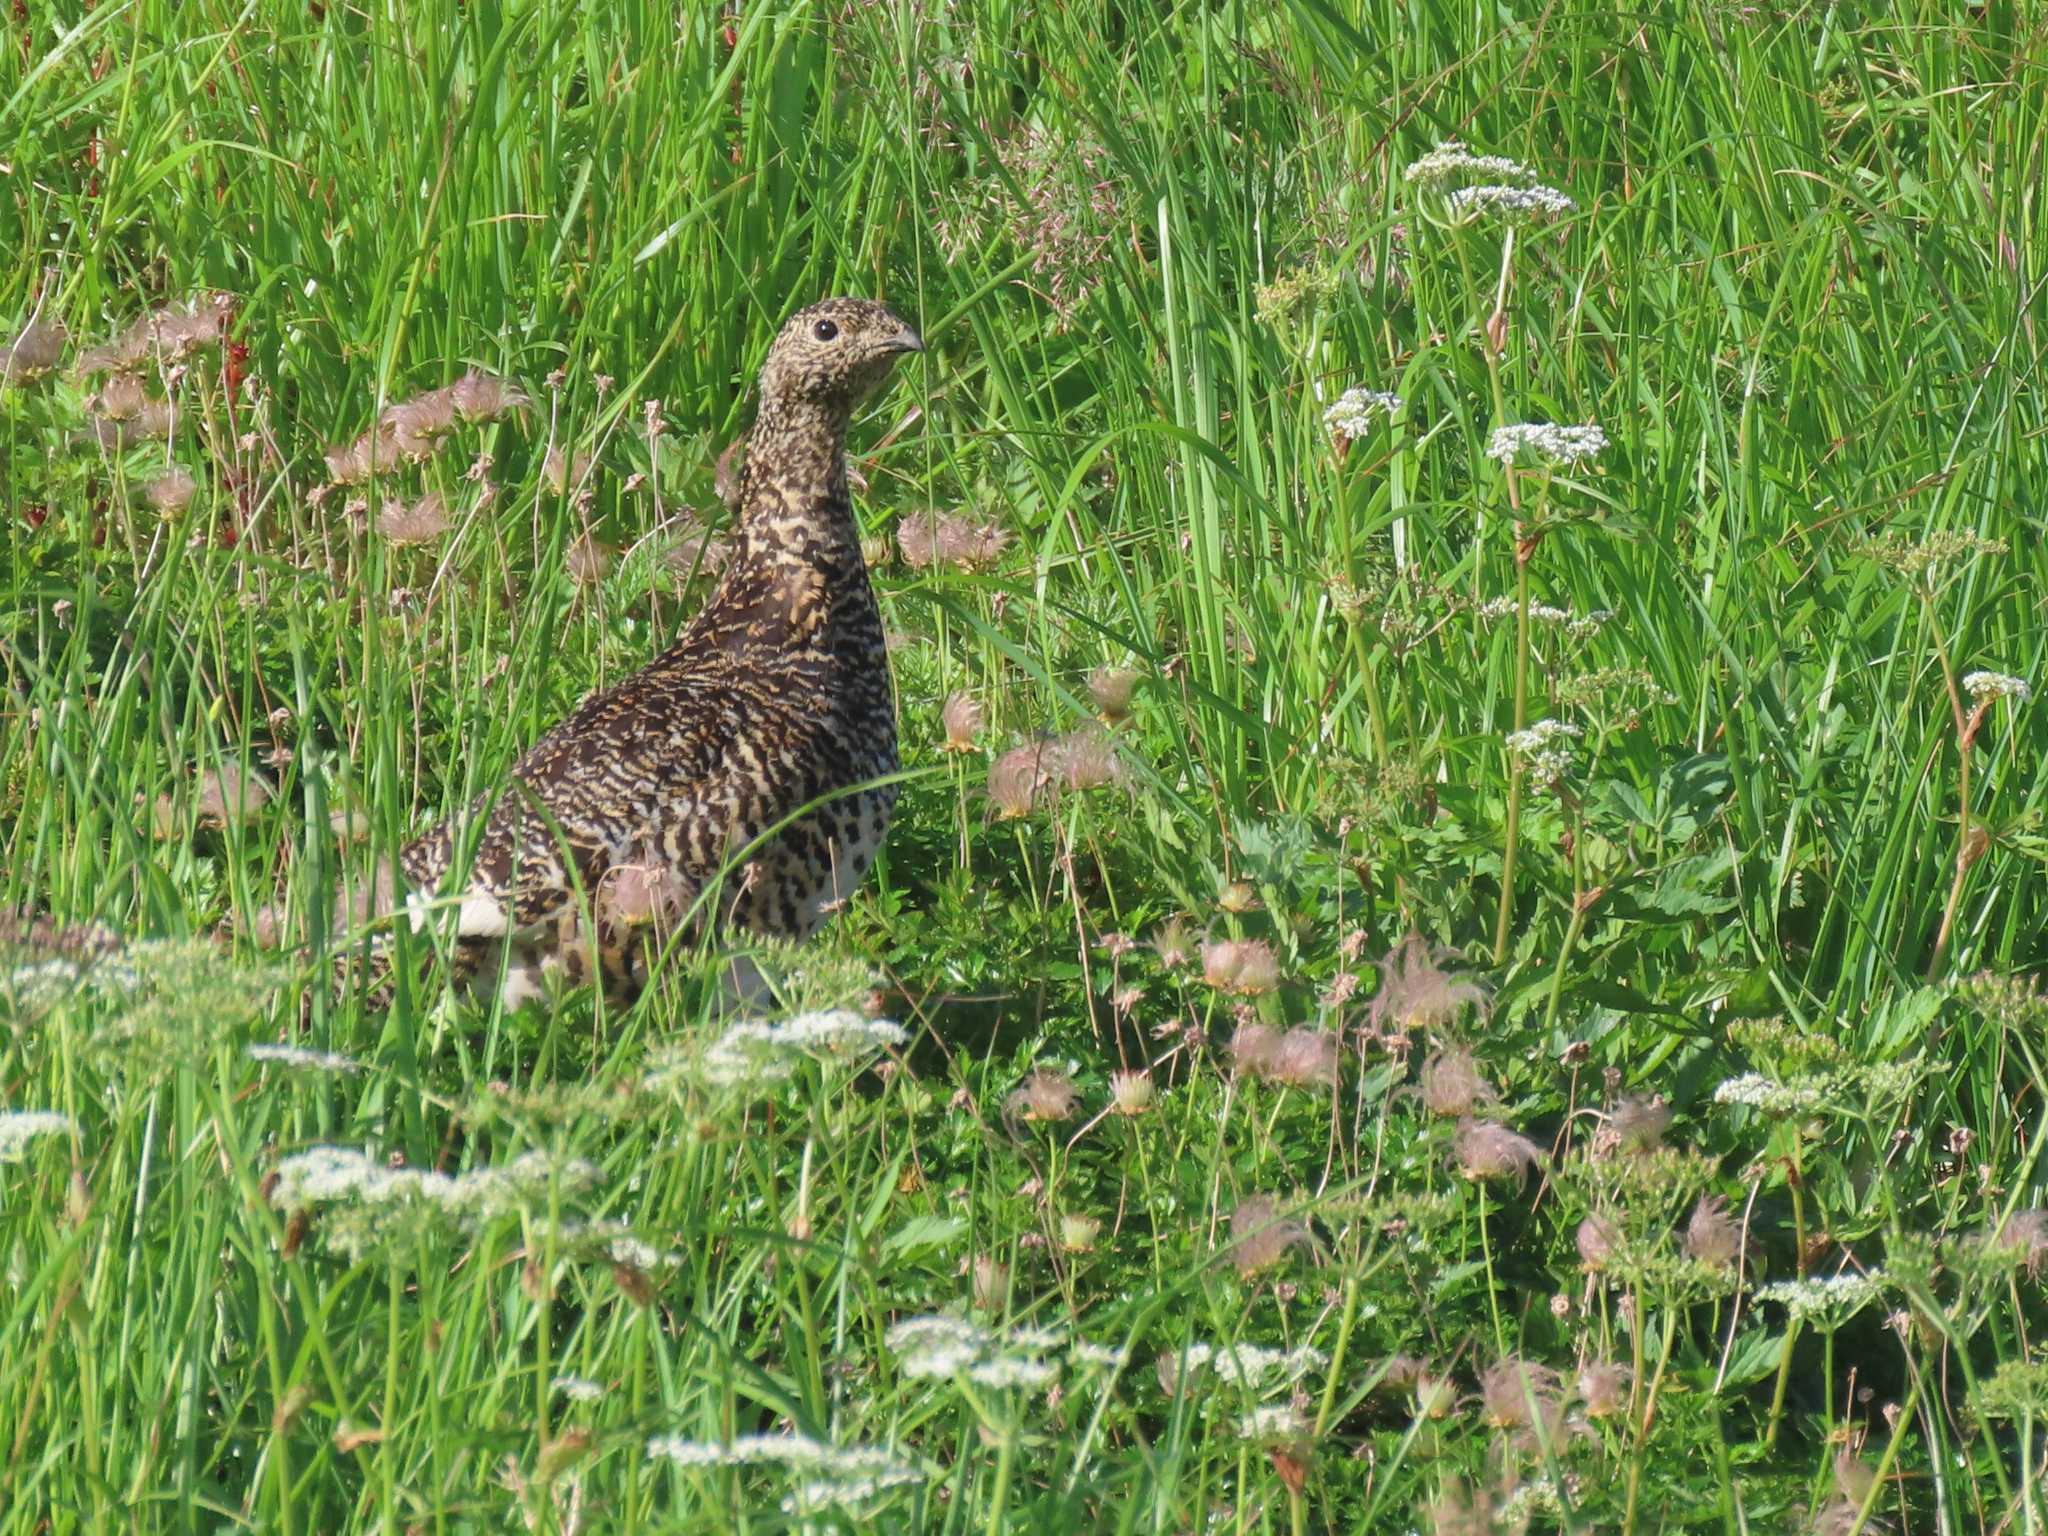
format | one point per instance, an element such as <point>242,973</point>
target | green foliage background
<point>1148,247</point>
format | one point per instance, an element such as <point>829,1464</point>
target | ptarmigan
<point>773,707</point>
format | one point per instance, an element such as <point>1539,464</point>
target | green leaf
<point>923,1234</point>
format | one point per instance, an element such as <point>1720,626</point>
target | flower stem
<point>1514,828</point>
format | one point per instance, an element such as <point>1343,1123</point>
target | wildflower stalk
<point>1514,828</point>
<point>1582,903</point>
<point>1327,1408</point>
<point>393,1334</point>
<point>1005,1456</point>
<point>1639,1425</point>
<point>1796,1183</point>
<point>1500,1337</point>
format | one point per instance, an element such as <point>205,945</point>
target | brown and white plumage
<point>775,698</point>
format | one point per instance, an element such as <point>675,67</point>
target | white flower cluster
<point>615,1243</point>
<point>324,1175</point>
<point>1545,747</point>
<point>835,1475</point>
<point>1982,686</point>
<point>303,1059</point>
<point>1451,161</point>
<point>1541,442</point>
<point>1756,1091</point>
<point>1253,1367</point>
<point>578,1389</point>
<point>1352,415</point>
<point>939,1346</point>
<point>1580,626</point>
<point>40,984</point>
<point>19,1127</point>
<point>1275,1421</point>
<point>374,1201</point>
<point>1518,205</point>
<point>1833,1300</point>
<point>755,1052</point>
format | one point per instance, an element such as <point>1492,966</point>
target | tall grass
<point>1149,247</point>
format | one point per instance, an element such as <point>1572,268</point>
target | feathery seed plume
<point>962,717</point>
<point>1711,1235</point>
<point>1487,1150</point>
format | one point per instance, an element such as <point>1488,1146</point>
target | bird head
<point>836,353</point>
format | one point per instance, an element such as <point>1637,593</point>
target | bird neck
<point>793,502</point>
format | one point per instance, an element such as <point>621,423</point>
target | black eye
<point>824,330</point>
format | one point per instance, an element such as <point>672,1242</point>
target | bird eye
<point>824,330</point>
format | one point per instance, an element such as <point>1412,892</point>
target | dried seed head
<point>962,717</point>
<point>154,420</point>
<point>588,561</point>
<point>969,545</point>
<point>415,427</point>
<point>1453,1085</point>
<point>1078,1233</point>
<point>32,351</point>
<point>1016,778</point>
<point>1515,1393</point>
<point>1436,1394</point>
<point>2023,1239</point>
<point>562,472</point>
<point>1711,1236</point>
<point>1237,897</point>
<point>917,539</point>
<point>1111,689</point>
<point>1603,1388</point>
<point>481,396</point>
<point>1416,994</point>
<point>648,893</point>
<point>1598,1238</point>
<point>1635,1126</point>
<point>1044,1095</point>
<point>991,1279</point>
<point>172,491</point>
<point>368,456</point>
<point>1486,1150</point>
<point>1260,1236</point>
<point>1304,1058</point>
<point>1130,1093</point>
<point>229,795</point>
<point>1252,1048</point>
<point>1246,967</point>
<point>1174,944</point>
<point>1086,759</point>
<point>121,398</point>
<point>419,522</point>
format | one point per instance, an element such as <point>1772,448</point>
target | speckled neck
<point>793,502</point>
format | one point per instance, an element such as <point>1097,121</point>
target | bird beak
<point>905,340</point>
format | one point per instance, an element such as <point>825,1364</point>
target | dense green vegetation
<point>1311,1111</point>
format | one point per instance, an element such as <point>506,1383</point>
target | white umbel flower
<point>1545,747</point>
<point>1542,443</point>
<point>300,1058</point>
<point>756,1052</point>
<point>1351,415</point>
<point>1452,162</point>
<point>1833,1300</point>
<point>1517,205</point>
<point>1756,1091</point>
<point>1985,686</point>
<point>834,1475</point>
<point>19,1127</point>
